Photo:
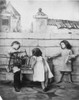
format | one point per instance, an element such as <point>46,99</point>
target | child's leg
<point>17,83</point>
<point>70,75</point>
<point>61,79</point>
<point>46,83</point>
<point>43,85</point>
<point>46,79</point>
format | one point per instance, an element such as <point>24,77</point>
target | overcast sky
<point>56,9</point>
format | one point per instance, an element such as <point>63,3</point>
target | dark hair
<point>16,42</point>
<point>67,44</point>
<point>36,52</point>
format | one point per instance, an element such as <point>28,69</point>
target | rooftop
<point>63,23</point>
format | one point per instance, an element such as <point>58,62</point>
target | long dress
<point>40,68</point>
<point>62,63</point>
<point>64,59</point>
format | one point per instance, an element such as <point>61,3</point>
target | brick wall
<point>49,44</point>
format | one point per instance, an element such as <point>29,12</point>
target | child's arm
<point>54,56</point>
<point>70,56</point>
<point>33,62</point>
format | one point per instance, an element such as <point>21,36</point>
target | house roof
<point>64,23</point>
<point>9,5</point>
<point>10,10</point>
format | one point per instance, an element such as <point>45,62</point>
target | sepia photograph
<point>39,49</point>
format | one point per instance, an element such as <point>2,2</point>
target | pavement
<point>62,91</point>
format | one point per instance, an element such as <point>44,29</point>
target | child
<point>66,56</point>
<point>15,64</point>
<point>41,69</point>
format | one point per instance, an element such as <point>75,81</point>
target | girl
<point>65,61</point>
<point>41,69</point>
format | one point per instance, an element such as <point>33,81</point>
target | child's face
<point>16,46</point>
<point>63,46</point>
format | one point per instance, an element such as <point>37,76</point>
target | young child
<point>66,56</point>
<point>15,65</point>
<point>41,69</point>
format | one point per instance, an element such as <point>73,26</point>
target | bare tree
<point>2,5</point>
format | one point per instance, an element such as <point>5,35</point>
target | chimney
<point>40,22</point>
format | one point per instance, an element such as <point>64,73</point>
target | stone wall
<point>49,44</point>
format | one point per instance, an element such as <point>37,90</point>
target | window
<point>5,22</point>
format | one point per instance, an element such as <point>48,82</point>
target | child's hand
<point>7,69</point>
<point>76,55</point>
<point>68,60</point>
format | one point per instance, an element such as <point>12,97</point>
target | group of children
<point>41,69</point>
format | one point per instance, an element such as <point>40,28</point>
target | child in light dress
<point>41,69</point>
<point>65,61</point>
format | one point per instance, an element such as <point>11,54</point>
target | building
<point>43,24</point>
<point>10,19</point>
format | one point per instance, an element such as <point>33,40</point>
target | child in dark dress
<point>14,64</point>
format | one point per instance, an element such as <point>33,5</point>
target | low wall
<point>49,44</point>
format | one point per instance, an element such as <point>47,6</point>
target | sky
<point>55,9</point>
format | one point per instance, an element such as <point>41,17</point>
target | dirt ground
<point>33,91</point>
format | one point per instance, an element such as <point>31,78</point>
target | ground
<point>62,91</point>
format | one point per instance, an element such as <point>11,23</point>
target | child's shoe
<point>45,89</point>
<point>17,89</point>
